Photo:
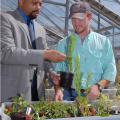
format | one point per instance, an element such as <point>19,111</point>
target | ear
<point>20,2</point>
<point>90,16</point>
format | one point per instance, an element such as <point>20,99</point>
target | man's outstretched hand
<point>54,56</point>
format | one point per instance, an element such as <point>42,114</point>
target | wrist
<point>99,87</point>
<point>45,54</point>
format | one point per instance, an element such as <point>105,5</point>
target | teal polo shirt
<point>96,58</point>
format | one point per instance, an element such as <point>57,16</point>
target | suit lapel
<point>38,32</point>
<point>23,25</point>
<point>38,36</point>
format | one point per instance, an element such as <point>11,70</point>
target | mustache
<point>32,15</point>
<point>36,11</point>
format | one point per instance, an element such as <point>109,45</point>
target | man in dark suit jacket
<point>23,51</point>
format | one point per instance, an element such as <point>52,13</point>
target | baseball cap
<point>78,9</point>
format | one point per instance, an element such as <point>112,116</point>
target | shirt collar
<point>25,17</point>
<point>87,37</point>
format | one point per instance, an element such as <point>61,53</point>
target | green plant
<point>118,72</point>
<point>118,89</point>
<point>46,109</point>
<point>49,110</point>
<point>103,105</point>
<point>82,101</point>
<point>18,105</point>
<point>71,46</point>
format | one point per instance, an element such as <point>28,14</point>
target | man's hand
<point>54,56</point>
<point>59,95</point>
<point>93,93</point>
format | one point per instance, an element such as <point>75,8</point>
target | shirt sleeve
<point>60,66</point>
<point>108,62</point>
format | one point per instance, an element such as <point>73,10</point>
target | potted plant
<point>67,76</point>
<point>17,110</point>
<point>50,109</point>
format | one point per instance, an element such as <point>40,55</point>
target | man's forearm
<point>104,83</point>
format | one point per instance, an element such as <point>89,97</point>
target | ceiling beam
<point>105,12</point>
<point>104,29</point>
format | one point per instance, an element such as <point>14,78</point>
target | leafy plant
<point>18,105</point>
<point>103,105</point>
<point>118,77</point>
<point>46,110</point>
<point>82,101</point>
<point>118,73</point>
<point>118,89</point>
<point>71,46</point>
<point>49,110</point>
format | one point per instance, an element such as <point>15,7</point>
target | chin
<point>78,31</point>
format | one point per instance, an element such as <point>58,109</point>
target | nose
<point>76,23</point>
<point>37,6</point>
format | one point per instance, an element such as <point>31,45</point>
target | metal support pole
<point>99,18</point>
<point>51,21</point>
<point>113,41</point>
<point>67,17</point>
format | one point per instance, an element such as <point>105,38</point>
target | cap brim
<point>78,15</point>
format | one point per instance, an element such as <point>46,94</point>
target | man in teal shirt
<point>95,52</point>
